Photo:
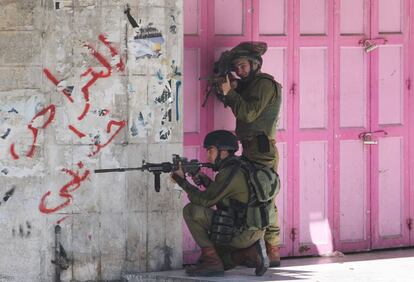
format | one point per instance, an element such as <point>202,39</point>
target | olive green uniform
<point>256,106</point>
<point>229,183</point>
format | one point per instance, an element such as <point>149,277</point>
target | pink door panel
<point>313,102</point>
<point>389,176</point>
<point>272,17</point>
<point>351,16</point>
<point>353,192</point>
<point>313,17</point>
<point>192,90</point>
<point>352,214</point>
<point>222,10</point>
<point>410,196</point>
<point>314,230</point>
<point>312,121</point>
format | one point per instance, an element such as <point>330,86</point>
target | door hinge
<point>293,89</point>
<point>410,223</point>
<point>408,83</point>
<point>293,234</point>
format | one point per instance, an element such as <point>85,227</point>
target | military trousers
<point>270,159</point>
<point>199,219</point>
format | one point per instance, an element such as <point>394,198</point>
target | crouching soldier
<point>232,234</point>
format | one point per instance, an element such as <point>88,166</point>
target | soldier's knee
<point>193,212</point>
<point>187,211</point>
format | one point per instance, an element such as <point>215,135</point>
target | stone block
<point>20,48</point>
<point>136,242</point>
<point>86,246</point>
<point>137,181</point>
<point>164,253</point>
<point>141,117</point>
<point>17,15</point>
<point>112,234</point>
<point>13,78</point>
<point>169,198</point>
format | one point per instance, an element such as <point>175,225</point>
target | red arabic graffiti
<point>51,109</point>
<point>120,124</point>
<point>54,80</point>
<point>66,190</point>
<point>97,75</point>
<point>113,127</point>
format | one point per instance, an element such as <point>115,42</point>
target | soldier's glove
<point>201,179</point>
<point>178,179</point>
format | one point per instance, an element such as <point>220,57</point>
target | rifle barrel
<point>117,169</point>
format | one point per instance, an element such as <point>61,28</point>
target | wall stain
<point>168,255</point>
<point>24,230</point>
<point>4,136</point>
<point>8,195</point>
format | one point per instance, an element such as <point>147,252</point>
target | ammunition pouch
<point>264,185</point>
<point>222,227</point>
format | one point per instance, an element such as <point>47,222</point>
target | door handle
<point>366,137</point>
<point>372,44</point>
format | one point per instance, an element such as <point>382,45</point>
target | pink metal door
<point>371,129</point>
<point>313,127</point>
<point>390,83</point>
<point>343,134</point>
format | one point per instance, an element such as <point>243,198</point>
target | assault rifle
<point>191,167</point>
<point>213,86</point>
<point>221,68</point>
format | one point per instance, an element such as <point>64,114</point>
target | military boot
<point>209,264</point>
<point>273,254</point>
<point>256,254</point>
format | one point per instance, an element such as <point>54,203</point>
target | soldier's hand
<point>201,179</point>
<point>178,176</point>
<point>226,86</point>
<point>179,172</point>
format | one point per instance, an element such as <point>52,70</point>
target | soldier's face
<point>212,154</point>
<point>242,67</point>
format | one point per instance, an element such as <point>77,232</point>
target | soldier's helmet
<point>251,50</point>
<point>222,139</point>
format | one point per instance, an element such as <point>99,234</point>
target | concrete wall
<point>82,89</point>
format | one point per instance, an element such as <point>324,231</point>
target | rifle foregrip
<point>157,181</point>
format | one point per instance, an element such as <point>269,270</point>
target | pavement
<point>375,266</point>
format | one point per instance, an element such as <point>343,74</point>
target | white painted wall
<point>95,93</point>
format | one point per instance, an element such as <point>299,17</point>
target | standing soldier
<point>255,101</point>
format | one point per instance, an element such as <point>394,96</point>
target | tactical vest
<point>267,120</point>
<point>258,213</point>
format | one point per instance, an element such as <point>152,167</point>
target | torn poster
<point>147,42</point>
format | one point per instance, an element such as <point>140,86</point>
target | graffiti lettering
<point>120,124</point>
<point>97,75</point>
<point>66,190</point>
<point>49,109</point>
<point>53,79</point>
<point>76,131</point>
